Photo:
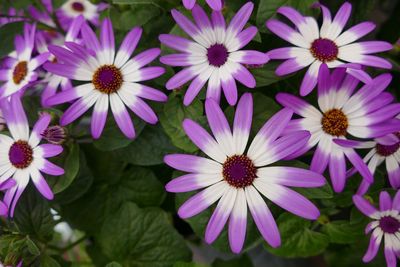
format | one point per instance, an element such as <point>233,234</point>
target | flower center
<point>217,55</point>
<point>20,72</point>
<point>387,150</point>
<point>107,79</point>
<point>77,6</point>
<point>20,154</point>
<point>334,122</point>
<point>239,171</point>
<point>324,50</point>
<point>389,225</point>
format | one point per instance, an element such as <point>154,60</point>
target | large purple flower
<point>214,55</point>
<point>22,158</point>
<point>385,225</point>
<point>110,79</point>
<point>365,113</point>
<point>314,46</point>
<point>19,71</point>
<point>214,4</point>
<point>237,178</point>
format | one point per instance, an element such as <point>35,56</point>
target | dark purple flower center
<point>217,55</point>
<point>324,50</point>
<point>77,6</point>
<point>239,171</point>
<point>334,122</point>
<point>20,154</point>
<point>388,150</point>
<point>107,79</point>
<point>389,225</point>
<point>20,71</point>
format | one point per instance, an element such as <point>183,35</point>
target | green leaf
<point>79,186</point>
<point>298,240</point>
<point>267,9</point>
<point>8,33</point>
<point>189,264</point>
<point>137,184</point>
<point>33,216</point>
<point>47,261</point>
<point>343,232</point>
<point>265,75</point>
<point>71,167</point>
<point>171,119</point>
<point>33,249</point>
<point>113,264</point>
<point>148,149</point>
<point>239,262</point>
<point>112,138</point>
<point>142,237</point>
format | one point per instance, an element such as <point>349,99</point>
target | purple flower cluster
<point>84,70</point>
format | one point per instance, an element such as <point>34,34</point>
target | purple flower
<point>110,79</point>
<point>74,8</point>
<point>385,224</point>
<point>22,156</point>
<point>19,70</point>
<point>365,113</point>
<point>55,81</point>
<point>5,186</point>
<point>13,16</point>
<point>214,4</point>
<point>237,178</point>
<point>383,149</point>
<point>327,44</point>
<point>214,55</point>
<point>43,16</point>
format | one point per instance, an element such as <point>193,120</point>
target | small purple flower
<point>74,8</point>
<point>383,149</point>
<point>111,79</point>
<point>365,113</point>
<point>214,4</point>
<point>13,16</point>
<point>43,16</point>
<point>214,55</point>
<point>385,225</point>
<point>19,70</point>
<point>55,81</point>
<point>327,44</point>
<point>22,156</point>
<point>237,178</point>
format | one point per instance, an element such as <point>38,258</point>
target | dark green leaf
<point>33,249</point>
<point>33,216</point>
<point>343,232</point>
<point>298,239</point>
<point>47,261</point>
<point>142,237</point>
<point>172,117</point>
<point>8,33</point>
<point>113,264</point>
<point>148,149</point>
<point>242,261</point>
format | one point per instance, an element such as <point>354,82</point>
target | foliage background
<point>112,194</point>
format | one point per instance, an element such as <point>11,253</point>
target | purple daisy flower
<point>237,178</point>
<point>365,113</point>
<point>314,46</point>
<point>385,225</point>
<point>214,4</point>
<point>110,79</point>
<point>383,149</point>
<point>55,81</point>
<point>74,8</point>
<point>19,70</point>
<point>214,55</point>
<point>22,156</point>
